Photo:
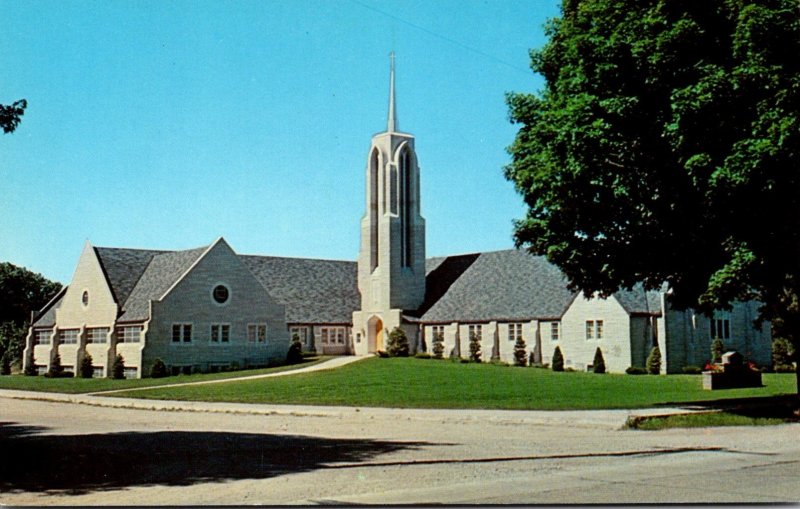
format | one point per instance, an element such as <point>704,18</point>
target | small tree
<point>398,343</point>
<point>599,362</point>
<point>56,369</point>
<point>118,368</point>
<point>474,347</point>
<point>295,354</point>
<point>159,369</point>
<point>782,355</point>
<point>438,345</point>
<point>558,360</point>
<point>5,364</point>
<point>717,349</point>
<point>654,361</point>
<point>87,370</point>
<point>30,369</point>
<point>520,356</point>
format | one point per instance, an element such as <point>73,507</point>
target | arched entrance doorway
<point>375,334</point>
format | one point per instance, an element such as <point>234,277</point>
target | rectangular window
<point>41,369</point>
<point>262,333</point>
<point>554,331</point>
<point>68,336</point>
<point>97,335</point>
<point>514,331</point>
<point>130,334</point>
<point>477,330</point>
<point>598,329</point>
<point>181,333</point>
<point>332,335</point>
<point>437,330</point>
<point>42,336</point>
<point>220,333</point>
<point>131,372</point>
<point>324,335</point>
<point>97,371</point>
<point>589,329</point>
<point>720,328</point>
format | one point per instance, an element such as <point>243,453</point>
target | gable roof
<point>46,317</point>
<point>498,285</point>
<point>638,301</point>
<point>313,291</point>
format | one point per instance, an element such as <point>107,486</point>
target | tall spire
<point>392,123</point>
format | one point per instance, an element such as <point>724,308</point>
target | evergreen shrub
<point>558,360</point>
<point>474,348</point>
<point>782,354</point>
<point>520,356</point>
<point>295,353</point>
<point>56,369</point>
<point>599,363</point>
<point>159,369</point>
<point>654,361</point>
<point>717,349</point>
<point>87,370</point>
<point>422,355</point>
<point>635,370</point>
<point>118,368</point>
<point>398,343</point>
<point>438,345</point>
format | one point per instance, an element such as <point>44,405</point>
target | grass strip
<point>701,420</point>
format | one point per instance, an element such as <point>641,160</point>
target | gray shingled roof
<point>638,301</point>
<point>313,291</point>
<point>164,269</point>
<point>499,285</point>
<point>47,315</point>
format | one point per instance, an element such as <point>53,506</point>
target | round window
<point>221,294</point>
<point>85,298</point>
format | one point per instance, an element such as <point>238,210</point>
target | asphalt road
<point>56,453</point>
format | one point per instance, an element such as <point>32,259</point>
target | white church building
<point>209,308</point>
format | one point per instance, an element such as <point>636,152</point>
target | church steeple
<point>391,260</point>
<point>392,122</point>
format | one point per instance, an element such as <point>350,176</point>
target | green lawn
<point>701,420</point>
<point>418,383</point>
<point>84,385</point>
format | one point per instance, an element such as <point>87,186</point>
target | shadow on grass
<point>77,464</point>
<point>785,406</point>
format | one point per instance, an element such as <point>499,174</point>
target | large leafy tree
<point>664,147</point>
<point>21,292</point>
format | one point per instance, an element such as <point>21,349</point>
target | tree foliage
<point>56,370</point>
<point>782,355</point>
<point>11,115</point>
<point>118,368</point>
<point>159,369</point>
<point>21,292</point>
<point>663,149</point>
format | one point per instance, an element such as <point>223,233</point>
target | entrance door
<point>375,334</point>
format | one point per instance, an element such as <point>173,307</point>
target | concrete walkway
<point>333,363</point>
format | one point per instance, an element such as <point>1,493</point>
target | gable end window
<point>220,294</point>
<point>594,329</point>
<point>181,333</point>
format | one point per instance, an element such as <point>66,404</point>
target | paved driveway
<point>75,454</point>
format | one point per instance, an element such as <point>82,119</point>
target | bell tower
<point>391,261</point>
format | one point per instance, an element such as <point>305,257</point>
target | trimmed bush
<point>692,370</point>
<point>474,348</point>
<point>520,356</point>
<point>717,349</point>
<point>398,343</point>
<point>118,368</point>
<point>56,369</point>
<point>295,353</point>
<point>782,354</point>
<point>87,370</point>
<point>5,364</point>
<point>599,362</point>
<point>654,361</point>
<point>463,360</point>
<point>438,345</point>
<point>558,360</point>
<point>159,369</point>
<point>635,370</point>
<point>422,355</point>
<point>30,369</point>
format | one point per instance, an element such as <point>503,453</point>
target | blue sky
<point>164,125</point>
